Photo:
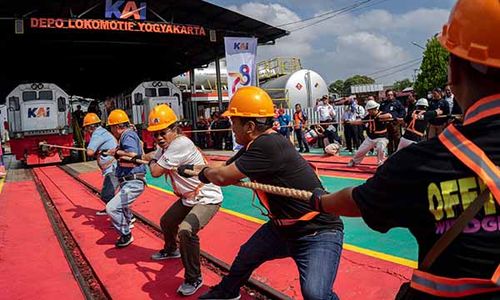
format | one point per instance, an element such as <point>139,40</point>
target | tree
<point>434,68</point>
<point>400,85</point>
<point>336,87</point>
<point>355,80</point>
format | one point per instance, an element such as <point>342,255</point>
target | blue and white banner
<point>241,66</point>
<point>240,60</point>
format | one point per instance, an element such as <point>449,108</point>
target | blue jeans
<point>109,187</point>
<point>118,207</point>
<point>316,255</point>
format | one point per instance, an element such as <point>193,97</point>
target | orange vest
<point>474,158</point>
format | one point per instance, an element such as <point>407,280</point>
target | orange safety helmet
<point>250,101</point>
<point>90,119</point>
<point>472,32</point>
<point>161,117</point>
<point>117,116</point>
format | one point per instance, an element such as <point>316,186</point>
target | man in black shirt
<point>376,129</point>
<point>427,186</point>
<point>416,125</point>
<point>439,107</point>
<point>294,230</point>
<point>392,106</point>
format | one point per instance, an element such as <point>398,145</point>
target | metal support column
<point>219,84</point>
<point>192,104</point>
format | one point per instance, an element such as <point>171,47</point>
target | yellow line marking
<point>387,257</point>
<point>243,216</point>
<point>345,177</point>
<point>2,181</point>
<point>161,190</point>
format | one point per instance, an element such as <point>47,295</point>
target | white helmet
<point>423,102</point>
<point>332,149</point>
<point>371,104</point>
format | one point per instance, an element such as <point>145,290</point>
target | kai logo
<point>240,46</point>
<point>155,121</point>
<point>38,112</point>
<point>122,9</point>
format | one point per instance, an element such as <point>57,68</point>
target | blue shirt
<point>103,140</point>
<point>130,142</point>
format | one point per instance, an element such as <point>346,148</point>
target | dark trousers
<point>299,134</point>
<point>185,222</point>
<point>109,187</point>
<point>351,137</point>
<point>393,135</point>
<point>316,256</point>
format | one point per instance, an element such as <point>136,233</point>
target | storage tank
<point>303,86</point>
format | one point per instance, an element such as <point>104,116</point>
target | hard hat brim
<point>91,123</point>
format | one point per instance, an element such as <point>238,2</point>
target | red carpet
<point>32,264</point>
<point>127,273</point>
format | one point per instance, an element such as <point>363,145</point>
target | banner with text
<point>240,60</point>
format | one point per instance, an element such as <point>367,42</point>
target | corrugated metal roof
<point>366,88</point>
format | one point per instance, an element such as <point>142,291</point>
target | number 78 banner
<point>240,60</point>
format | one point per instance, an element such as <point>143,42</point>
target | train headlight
<point>19,135</point>
<point>64,131</point>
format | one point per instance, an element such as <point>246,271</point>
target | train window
<point>14,103</point>
<point>138,98</point>
<point>45,95</point>
<point>150,92</point>
<point>163,92</point>
<point>29,96</point>
<point>61,104</point>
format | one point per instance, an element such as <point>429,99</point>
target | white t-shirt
<point>326,112</point>
<point>182,151</point>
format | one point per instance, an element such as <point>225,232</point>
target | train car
<point>39,113</point>
<point>143,98</point>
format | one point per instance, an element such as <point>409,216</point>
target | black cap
<point>437,90</point>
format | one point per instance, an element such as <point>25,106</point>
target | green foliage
<point>343,88</point>
<point>336,87</point>
<point>400,85</point>
<point>434,68</point>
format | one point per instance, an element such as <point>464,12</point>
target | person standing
<point>300,124</point>
<point>102,141</point>
<point>438,110</point>
<point>350,128</point>
<point>327,116</point>
<point>284,123</point>
<point>392,106</point>
<point>446,190</point>
<point>197,204</point>
<point>294,229</point>
<point>131,175</point>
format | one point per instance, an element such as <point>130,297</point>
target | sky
<point>376,38</point>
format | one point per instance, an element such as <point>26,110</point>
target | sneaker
<point>217,293</point>
<point>306,151</point>
<point>351,164</point>
<point>165,254</point>
<point>124,240</point>
<point>101,213</point>
<point>189,288</point>
<point>132,220</point>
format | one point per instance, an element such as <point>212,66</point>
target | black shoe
<point>165,254</point>
<point>124,240</point>
<point>301,150</point>
<point>218,294</point>
<point>188,288</point>
<point>307,151</point>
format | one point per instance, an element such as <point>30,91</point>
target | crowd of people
<point>445,190</point>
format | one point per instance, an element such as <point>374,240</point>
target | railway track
<point>90,284</point>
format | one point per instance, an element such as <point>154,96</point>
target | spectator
<point>202,124</point>
<point>392,106</point>
<point>78,115</point>
<point>327,115</point>
<point>284,122</point>
<point>452,102</point>
<point>94,108</point>
<point>350,130</point>
<point>217,135</point>
<point>300,124</point>
<point>437,107</point>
